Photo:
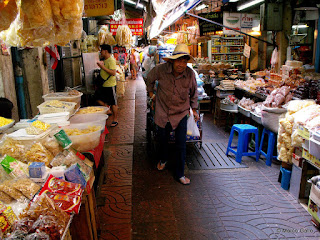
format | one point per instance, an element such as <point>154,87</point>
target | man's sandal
<point>161,166</point>
<point>184,180</point>
<point>113,124</point>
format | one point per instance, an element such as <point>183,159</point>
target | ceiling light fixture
<point>300,26</point>
<point>249,4</point>
<point>200,7</point>
<point>134,3</point>
<point>233,0</point>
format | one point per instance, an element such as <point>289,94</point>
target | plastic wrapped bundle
<point>8,12</point>
<point>67,18</point>
<point>36,23</point>
<point>124,36</point>
<point>102,34</point>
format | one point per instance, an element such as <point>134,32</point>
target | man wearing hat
<point>176,93</point>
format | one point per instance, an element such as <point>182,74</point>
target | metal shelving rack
<point>220,49</point>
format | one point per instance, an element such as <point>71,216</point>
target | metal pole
<point>219,24</point>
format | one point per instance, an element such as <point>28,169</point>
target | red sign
<point>135,25</point>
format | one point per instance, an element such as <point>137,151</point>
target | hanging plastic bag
<point>192,128</point>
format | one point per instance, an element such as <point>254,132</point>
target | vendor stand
<point>43,134</point>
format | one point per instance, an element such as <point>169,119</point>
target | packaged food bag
<point>57,185</point>
<point>37,169</point>
<point>74,175</point>
<point>13,167</point>
<point>7,218</point>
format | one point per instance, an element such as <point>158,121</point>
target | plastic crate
<point>65,97</point>
<point>45,108</point>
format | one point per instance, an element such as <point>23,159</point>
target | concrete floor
<point>143,203</point>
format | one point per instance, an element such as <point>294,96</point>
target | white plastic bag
<point>192,128</point>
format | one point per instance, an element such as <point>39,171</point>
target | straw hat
<point>180,51</point>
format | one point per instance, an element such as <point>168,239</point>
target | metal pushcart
<point>152,129</point>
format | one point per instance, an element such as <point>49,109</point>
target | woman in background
<point>133,65</point>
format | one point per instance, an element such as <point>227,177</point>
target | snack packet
<point>63,139</point>
<point>67,203</point>
<point>57,185</point>
<point>14,167</point>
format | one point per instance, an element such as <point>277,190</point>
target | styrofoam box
<point>65,97</point>
<point>85,142</point>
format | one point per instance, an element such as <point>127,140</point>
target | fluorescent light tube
<point>300,26</point>
<point>200,7</point>
<point>233,0</point>
<point>249,4</point>
<point>134,3</point>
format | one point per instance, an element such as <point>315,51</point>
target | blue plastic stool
<point>285,178</point>
<point>271,142</point>
<point>243,141</point>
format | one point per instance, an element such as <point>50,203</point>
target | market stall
<point>45,178</point>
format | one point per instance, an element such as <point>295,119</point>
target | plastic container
<point>69,107</point>
<point>65,97</point>
<point>5,127</point>
<point>255,118</point>
<point>229,107</point>
<point>285,178</point>
<point>105,110</point>
<point>85,142</point>
<point>244,111</point>
<point>89,119</point>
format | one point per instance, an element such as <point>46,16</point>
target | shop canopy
<point>168,13</point>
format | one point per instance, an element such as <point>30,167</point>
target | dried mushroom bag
<point>8,12</point>
<point>5,198</point>
<point>26,186</point>
<point>13,148</point>
<point>38,153</point>
<point>52,145</point>
<point>6,188</point>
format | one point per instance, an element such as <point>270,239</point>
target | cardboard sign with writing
<point>94,8</point>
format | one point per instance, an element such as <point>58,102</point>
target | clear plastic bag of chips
<point>8,12</point>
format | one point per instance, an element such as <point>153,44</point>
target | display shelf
<point>225,47</point>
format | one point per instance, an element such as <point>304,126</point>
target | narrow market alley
<point>143,203</point>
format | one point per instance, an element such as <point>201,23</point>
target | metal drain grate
<point>210,156</point>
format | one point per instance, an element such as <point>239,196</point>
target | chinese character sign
<point>135,25</point>
<point>94,8</point>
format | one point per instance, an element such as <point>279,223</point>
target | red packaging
<point>68,203</point>
<point>56,185</point>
